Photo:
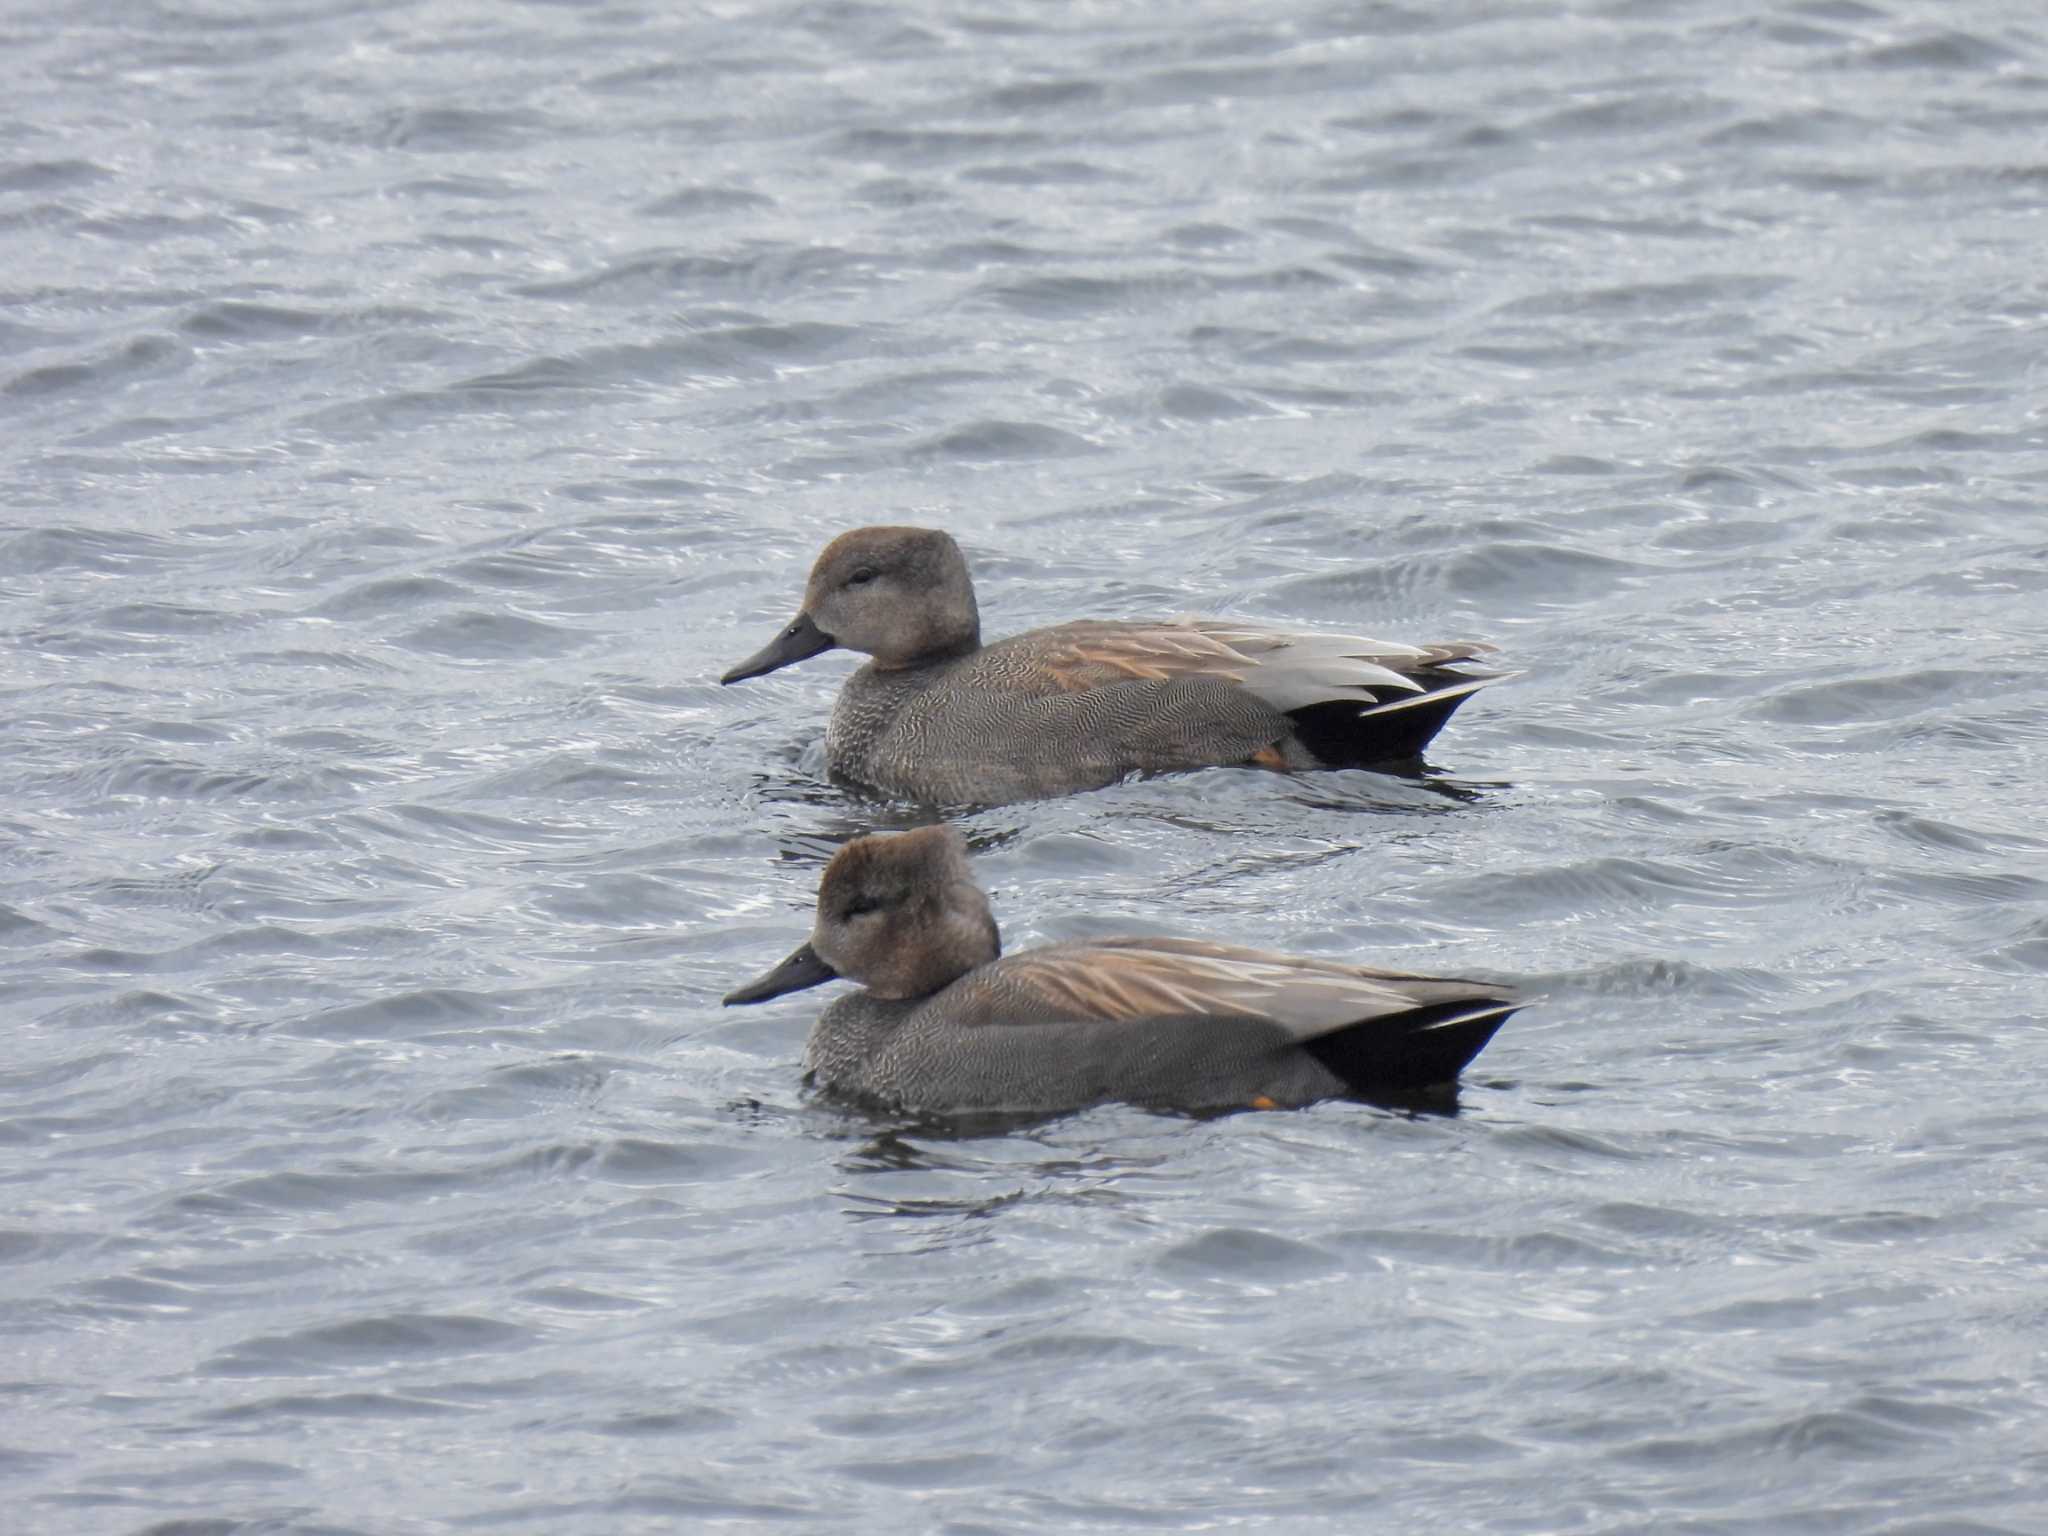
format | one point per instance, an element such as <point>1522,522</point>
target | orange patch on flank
<point>1269,757</point>
<point>1262,1102</point>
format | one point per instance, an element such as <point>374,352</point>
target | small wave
<point>404,1016</point>
<point>22,1246</point>
<point>1941,836</point>
<point>925,1474</point>
<point>107,551</point>
<point>151,777</point>
<point>1963,889</point>
<point>517,1093</point>
<point>238,320</point>
<point>1273,349</point>
<point>1721,534</point>
<point>1525,1252</point>
<point>1524,573</point>
<point>1944,51</point>
<point>697,1419</point>
<point>1041,96</point>
<point>1824,1435</point>
<point>702,202</point>
<point>1197,402</point>
<point>1242,1253</point>
<point>1634,1219</point>
<point>480,831</point>
<point>527,570</point>
<point>1206,236</point>
<point>996,441</point>
<point>465,187</point>
<point>1805,127</point>
<point>640,1160</point>
<point>390,595</point>
<point>50,175</point>
<point>1043,173</point>
<point>18,928</point>
<point>273,1411</point>
<point>1728,878</point>
<point>1640,111</point>
<point>449,130</point>
<point>2025,952</point>
<point>170,620</point>
<point>1660,978</point>
<point>911,148</point>
<point>475,636</point>
<point>1073,296</point>
<point>983,254</point>
<point>736,352</point>
<point>369,1341</point>
<point>1385,18</point>
<point>1856,701</point>
<point>145,357</point>
<point>782,271</point>
<point>1661,301</point>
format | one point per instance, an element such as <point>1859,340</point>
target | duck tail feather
<point>1342,735</point>
<point>1407,1052</point>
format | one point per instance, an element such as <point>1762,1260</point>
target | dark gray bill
<point>801,639</point>
<point>800,970</point>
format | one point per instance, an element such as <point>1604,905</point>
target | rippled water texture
<point>410,408</point>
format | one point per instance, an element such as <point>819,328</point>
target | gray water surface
<point>410,408</point>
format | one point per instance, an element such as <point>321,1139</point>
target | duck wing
<point>1287,668</point>
<point>1134,979</point>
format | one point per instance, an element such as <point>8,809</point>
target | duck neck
<point>946,634</point>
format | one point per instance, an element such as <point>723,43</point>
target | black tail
<point>1394,728</point>
<point>1405,1052</point>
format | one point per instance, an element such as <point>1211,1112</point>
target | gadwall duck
<point>939,717</point>
<point>944,1025</point>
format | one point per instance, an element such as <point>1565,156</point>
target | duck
<point>945,1023</point>
<point>937,717</point>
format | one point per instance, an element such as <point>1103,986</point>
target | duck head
<point>901,595</point>
<point>900,915</point>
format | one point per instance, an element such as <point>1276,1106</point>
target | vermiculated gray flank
<point>409,410</point>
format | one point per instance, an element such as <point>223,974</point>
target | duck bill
<point>802,639</point>
<point>800,970</point>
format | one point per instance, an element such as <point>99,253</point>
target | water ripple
<point>413,410</point>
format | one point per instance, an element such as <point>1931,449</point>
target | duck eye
<point>860,906</point>
<point>862,576</point>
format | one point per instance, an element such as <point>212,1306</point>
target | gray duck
<point>936,716</point>
<point>946,1023</point>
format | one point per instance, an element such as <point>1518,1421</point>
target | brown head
<point>900,915</point>
<point>901,595</point>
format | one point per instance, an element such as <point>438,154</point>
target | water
<point>410,408</point>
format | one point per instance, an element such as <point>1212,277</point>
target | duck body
<point>893,1055</point>
<point>938,717</point>
<point>947,1024</point>
<point>994,1041</point>
<point>993,726</point>
<point>980,1045</point>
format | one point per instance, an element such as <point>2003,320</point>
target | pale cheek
<point>899,970</point>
